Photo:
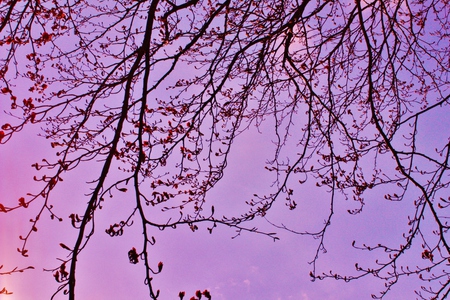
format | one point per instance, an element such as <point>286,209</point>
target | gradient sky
<point>249,267</point>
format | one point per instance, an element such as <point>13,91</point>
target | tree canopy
<point>155,93</point>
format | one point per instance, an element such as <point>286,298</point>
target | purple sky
<point>248,267</point>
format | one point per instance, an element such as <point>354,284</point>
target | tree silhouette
<point>162,89</point>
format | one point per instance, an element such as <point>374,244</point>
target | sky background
<point>250,266</point>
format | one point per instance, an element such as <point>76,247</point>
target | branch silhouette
<point>162,90</point>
